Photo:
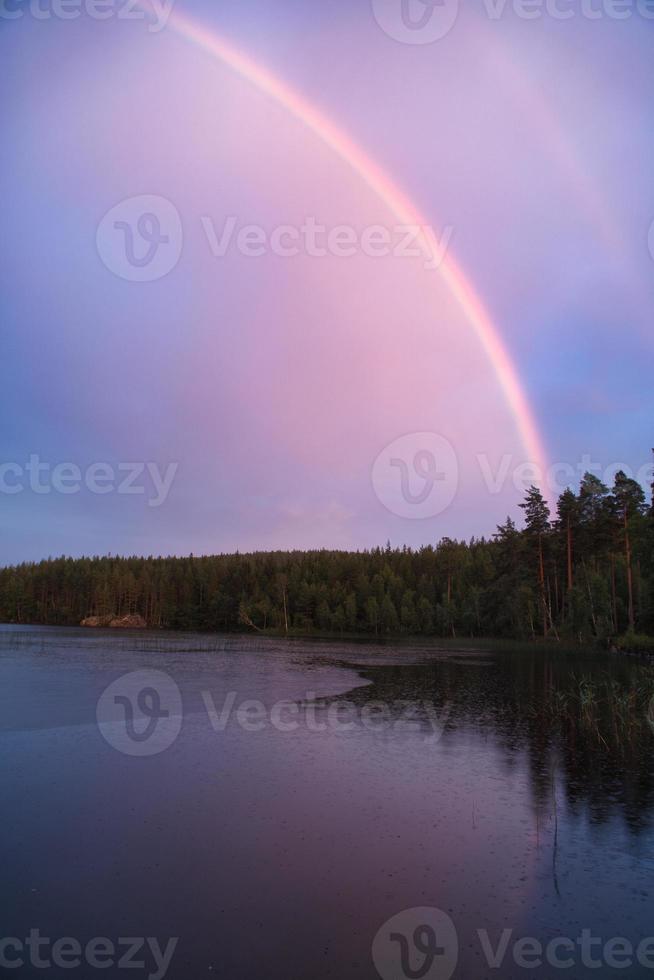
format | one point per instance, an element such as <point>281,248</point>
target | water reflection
<point>582,721</point>
<point>277,853</point>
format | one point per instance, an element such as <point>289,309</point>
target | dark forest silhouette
<point>585,573</point>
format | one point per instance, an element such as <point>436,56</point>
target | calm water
<point>275,839</point>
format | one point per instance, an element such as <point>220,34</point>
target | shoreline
<point>460,643</point>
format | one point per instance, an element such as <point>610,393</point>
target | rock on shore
<point>134,622</point>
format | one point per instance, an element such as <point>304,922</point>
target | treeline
<point>585,572</point>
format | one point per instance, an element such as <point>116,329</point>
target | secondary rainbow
<point>398,204</point>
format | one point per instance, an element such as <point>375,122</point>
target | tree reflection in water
<point>582,720</point>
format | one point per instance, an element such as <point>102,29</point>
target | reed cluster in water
<point>603,706</point>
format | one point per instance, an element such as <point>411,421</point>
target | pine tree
<point>537,525</point>
<point>630,505</point>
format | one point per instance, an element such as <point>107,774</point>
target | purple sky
<point>260,399</point>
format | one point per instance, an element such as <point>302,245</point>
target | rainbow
<point>398,204</point>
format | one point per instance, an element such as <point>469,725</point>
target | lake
<point>250,807</point>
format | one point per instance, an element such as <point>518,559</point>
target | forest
<point>584,574</point>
